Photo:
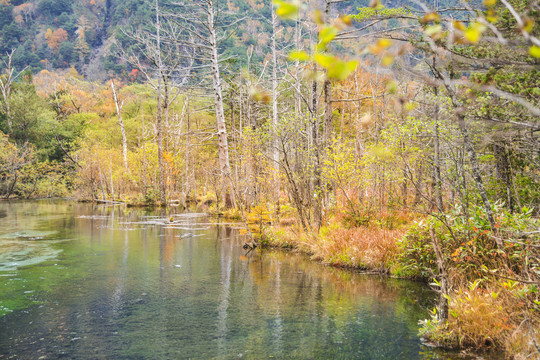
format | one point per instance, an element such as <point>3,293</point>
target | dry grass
<point>479,318</point>
<point>358,247</point>
<point>523,341</point>
<point>287,221</point>
<point>487,317</point>
<point>364,248</point>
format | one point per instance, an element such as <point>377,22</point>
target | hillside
<point>60,34</point>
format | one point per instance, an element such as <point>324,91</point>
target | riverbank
<point>489,304</point>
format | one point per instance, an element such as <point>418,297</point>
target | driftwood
<point>108,201</point>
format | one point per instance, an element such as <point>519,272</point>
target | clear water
<point>80,281</point>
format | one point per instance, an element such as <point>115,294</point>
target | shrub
<point>467,242</point>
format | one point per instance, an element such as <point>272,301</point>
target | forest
<point>393,137</point>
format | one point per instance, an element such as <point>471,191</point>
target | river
<point>83,281</point>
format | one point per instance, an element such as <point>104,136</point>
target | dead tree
<point>6,81</point>
<point>209,25</point>
<point>166,62</point>
<point>119,104</point>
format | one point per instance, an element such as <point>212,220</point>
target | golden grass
<point>364,248</point>
<point>487,317</point>
<point>358,247</point>
<point>479,318</point>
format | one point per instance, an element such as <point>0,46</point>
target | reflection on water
<point>24,248</point>
<point>133,284</point>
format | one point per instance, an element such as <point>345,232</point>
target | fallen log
<point>108,201</point>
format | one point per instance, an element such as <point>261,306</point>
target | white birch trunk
<point>121,123</point>
<point>220,114</point>
<point>275,150</point>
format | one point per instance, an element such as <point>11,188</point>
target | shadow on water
<point>139,284</point>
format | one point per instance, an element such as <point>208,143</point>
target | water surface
<point>81,281</point>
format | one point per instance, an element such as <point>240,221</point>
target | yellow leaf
<point>472,35</point>
<point>379,47</point>
<point>387,60</point>
<point>324,60</point>
<point>490,3</point>
<point>528,24</point>
<point>346,20</point>
<point>340,69</point>
<point>296,55</point>
<point>459,25</point>
<point>433,30</point>
<point>384,43</point>
<point>374,49</point>
<point>429,17</point>
<point>286,10</point>
<point>410,106</point>
<point>491,16</point>
<point>327,34</point>
<point>535,51</point>
<point>318,17</point>
<point>391,86</point>
<point>474,32</point>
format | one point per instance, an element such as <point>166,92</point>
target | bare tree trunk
<point>112,182</point>
<point>275,149</point>
<point>159,122</point>
<point>476,175</point>
<point>101,179</point>
<point>297,199</point>
<point>121,123</point>
<point>143,144</point>
<point>327,88</point>
<point>437,160</point>
<point>165,103</point>
<point>223,151</point>
<point>12,186</point>
<point>471,152</point>
<point>317,208</point>
<point>297,99</point>
<point>502,166</point>
<point>443,297</point>
<point>188,152</point>
<point>5,87</point>
<point>328,119</point>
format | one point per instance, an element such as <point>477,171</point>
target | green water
<point>80,281</point>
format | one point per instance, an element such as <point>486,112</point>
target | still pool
<point>82,281</point>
